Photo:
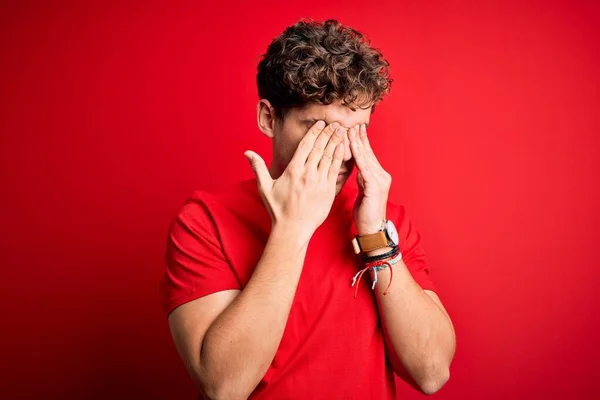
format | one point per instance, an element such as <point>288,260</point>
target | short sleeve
<point>412,250</point>
<point>195,263</point>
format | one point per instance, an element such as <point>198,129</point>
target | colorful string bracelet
<point>377,266</point>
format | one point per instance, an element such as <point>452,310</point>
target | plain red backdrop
<point>111,114</point>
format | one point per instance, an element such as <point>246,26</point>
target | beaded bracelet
<point>377,266</point>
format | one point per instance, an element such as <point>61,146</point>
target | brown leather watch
<point>387,236</point>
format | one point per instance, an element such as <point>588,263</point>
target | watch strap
<point>371,242</point>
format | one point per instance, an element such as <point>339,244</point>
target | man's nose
<point>347,152</point>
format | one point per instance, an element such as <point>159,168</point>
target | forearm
<point>418,332</point>
<point>241,344</point>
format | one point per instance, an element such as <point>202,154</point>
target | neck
<point>275,170</point>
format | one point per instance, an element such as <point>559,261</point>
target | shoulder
<point>232,194</point>
<point>205,204</point>
<point>396,212</point>
<point>407,231</point>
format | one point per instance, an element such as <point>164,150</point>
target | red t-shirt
<point>332,346</point>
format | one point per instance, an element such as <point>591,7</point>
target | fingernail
<point>320,124</point>
<point>339,131</point>
<point>335,125</point>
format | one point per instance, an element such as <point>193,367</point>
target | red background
<point>111,114</point>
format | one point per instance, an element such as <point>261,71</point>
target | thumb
<point>259,167</point>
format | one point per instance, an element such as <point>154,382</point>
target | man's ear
<point>265,115</point>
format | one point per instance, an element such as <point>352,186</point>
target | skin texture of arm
<point>418,332</point>
<point>227,340</point>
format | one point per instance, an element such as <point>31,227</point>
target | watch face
<point>392,232</point>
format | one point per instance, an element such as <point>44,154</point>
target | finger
<point>360,158</point>
<point>366,145</point>
<point>327,157</point>
<point>307,143</point>
<point>319,146</point>
<point>336,163</point>
<point>263,177</point>
<point>362,135</point>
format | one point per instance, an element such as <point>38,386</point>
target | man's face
<point>296,123</point>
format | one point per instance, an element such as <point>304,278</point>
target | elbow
<point>216,385</point>
<point>212,392</point>
<point>222,392</point>
<point>434,380</point>
<point>214,388</point>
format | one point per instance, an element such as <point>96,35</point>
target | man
<point>258,285</point>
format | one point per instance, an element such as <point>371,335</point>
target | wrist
<point>378,252</point>
<point>382,241</point>
<point>368,229</point>
<point>291,232</point>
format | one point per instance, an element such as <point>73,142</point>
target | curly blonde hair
<point>322,62</point>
